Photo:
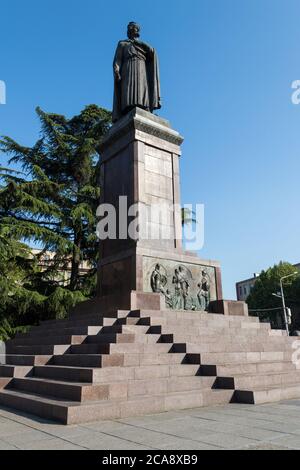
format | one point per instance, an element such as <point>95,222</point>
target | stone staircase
<point>131,363</point>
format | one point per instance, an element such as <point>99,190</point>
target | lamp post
<point>283,300</point>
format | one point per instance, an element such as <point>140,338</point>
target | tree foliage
<point>51,203</point>
<point>268,283</point>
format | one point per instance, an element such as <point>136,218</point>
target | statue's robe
<point>137,64</point>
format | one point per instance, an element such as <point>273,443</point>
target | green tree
<point>52,204</point>
<point>268,283</point>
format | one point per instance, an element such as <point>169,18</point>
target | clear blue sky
<point>226,71</point>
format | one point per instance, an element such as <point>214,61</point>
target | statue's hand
<point>118,77</point>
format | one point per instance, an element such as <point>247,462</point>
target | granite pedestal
<point>140,163</point>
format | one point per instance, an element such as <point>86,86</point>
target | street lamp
<point>277,295</point>
<point>283,300</point>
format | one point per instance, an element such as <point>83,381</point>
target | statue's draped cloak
<point>137,64</point>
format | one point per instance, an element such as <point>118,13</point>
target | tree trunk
<point>74,280</point>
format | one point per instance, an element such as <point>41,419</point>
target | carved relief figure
<point>178,304</point>
<point>169,299</point>
<point>181,283</point>
<point>184,285</point>
<point>158,280</point>
<point>204,291</point>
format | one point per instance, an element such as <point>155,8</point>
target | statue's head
<point>157,267</point>
<point>133,30</point>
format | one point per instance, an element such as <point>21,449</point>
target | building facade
<point>243,288</point>
<point>63,274</point>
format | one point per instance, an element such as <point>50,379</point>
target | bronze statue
<point>136,75</point>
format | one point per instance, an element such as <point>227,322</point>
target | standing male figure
<point>136,75</point>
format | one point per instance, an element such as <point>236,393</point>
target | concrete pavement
<point>234,426</point>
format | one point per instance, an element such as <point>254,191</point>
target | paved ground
<point>275,426</point>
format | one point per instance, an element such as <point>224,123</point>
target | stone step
<point>191,332</point>
<point>145,348</point>
<point>171,317</point>
<point>199,331</point>
<point>98,337</point>
<point>161,368</point>
<point>248,382</point>
<point>128,336</point>
<point>58,324</point>
<point>153,339</point>
<point>36,350</point>
<point>107,314</point>
<point>272,394</point>
<point>139,328</point>
<point>113,390</point>
<point>277,366</point>
<point>14,371</point>
<point>36,405</point>
<point>169,314</point>
<point>70,370</point>
<point>226,344</point>
<point>128,329</point>
<point>91,375</point>
<point>68,373</point>
<point>167,385</point>
<point>277,333</point>
<point>244,357</point>
<point>183,322</point>
<point>116,335</point>
<point>54,348</point>
<point>211,339</point>
<point>246,368</point>
<point>69,391</point>
<point>75,412</point>
<point>160,359</point>
<point>129,361</point>
<point>210,333</point>
<point>236,347</point>
<point>102,319</point>
<point>47,340</point>
<point>88,330</point>
<point>4,381</point>
<point>192,315</point>
<point>107,348</point>
<point>85,317</point>
<point>145,372</point>
<point>72,331</point>
<point>194,327</point>
<point>89,360</point>
<point>22,360</point>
